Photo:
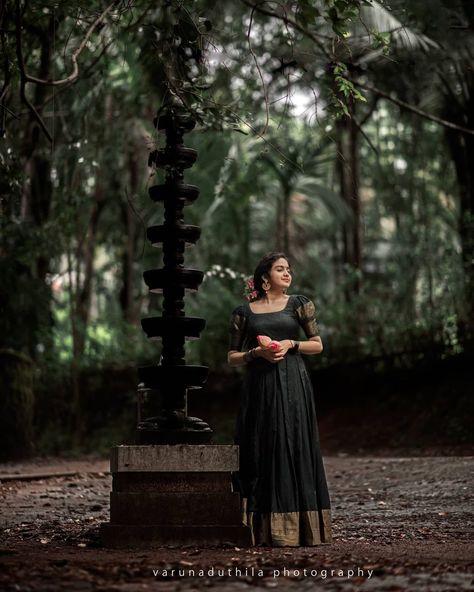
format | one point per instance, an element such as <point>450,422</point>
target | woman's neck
<point>272,297</point>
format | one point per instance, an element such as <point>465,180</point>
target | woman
<point>281,478</point>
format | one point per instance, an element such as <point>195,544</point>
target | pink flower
<point>249,292</point>
<point>251,295</point>
<point>268,343</point>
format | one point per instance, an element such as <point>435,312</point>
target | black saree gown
<point>281,478</point>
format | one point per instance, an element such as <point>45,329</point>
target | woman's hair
<point>263,268</point>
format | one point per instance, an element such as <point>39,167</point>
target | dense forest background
<point>338,131</point>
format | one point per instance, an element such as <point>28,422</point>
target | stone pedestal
<point>172,495</point>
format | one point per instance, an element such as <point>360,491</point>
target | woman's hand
<point>275,356</point>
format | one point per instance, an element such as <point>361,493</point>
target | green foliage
<point>271,185</point>
<point>345,89</point>
<point>381,39</point>
<point>339,13</point>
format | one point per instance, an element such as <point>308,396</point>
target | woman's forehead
<point>280,261</point>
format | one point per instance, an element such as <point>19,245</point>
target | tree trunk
<point>128,255</point>
<point>348,173</point>
<point>279,223</point>
<point>84,292</point>
<point>16,402</point>
<point>462,153</point>
<point>354,190</point>
<point>247,234</point>
<point>286,222</point>
<point>37,198</point>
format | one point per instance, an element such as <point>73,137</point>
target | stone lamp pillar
<point>173,486</point>
<point>173,377</point>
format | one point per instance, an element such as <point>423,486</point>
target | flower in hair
<point>249,291</point>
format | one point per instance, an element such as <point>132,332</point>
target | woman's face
<point>280,275</point>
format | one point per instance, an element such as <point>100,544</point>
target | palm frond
<point>316,191</point>
<point>378,18</point>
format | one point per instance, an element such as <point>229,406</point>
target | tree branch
<point>21,64</point>
<point>75,72</point>
<point>414,109</point>
<point>372,107</point>
<point>267,114</point>
<point>365,136</point>
<point>286,19</point>
<point>6,69</point>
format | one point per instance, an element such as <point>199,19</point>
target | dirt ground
<point>399,523</point>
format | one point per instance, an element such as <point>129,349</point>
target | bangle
<point>249,355</point>
<point>296,346</point>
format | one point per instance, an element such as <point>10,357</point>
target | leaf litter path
<point>407,519</point>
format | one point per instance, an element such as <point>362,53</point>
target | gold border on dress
<point>288,529</point>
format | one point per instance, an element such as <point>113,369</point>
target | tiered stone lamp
<point>173,486</point>
<point>173,377</point>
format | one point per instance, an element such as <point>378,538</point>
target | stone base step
<point>124,536</point>
<point>182,508</point>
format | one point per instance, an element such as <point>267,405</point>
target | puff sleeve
<point>306,313</point>
<point>237,329</point>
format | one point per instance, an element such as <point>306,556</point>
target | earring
<point>266,285</point>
